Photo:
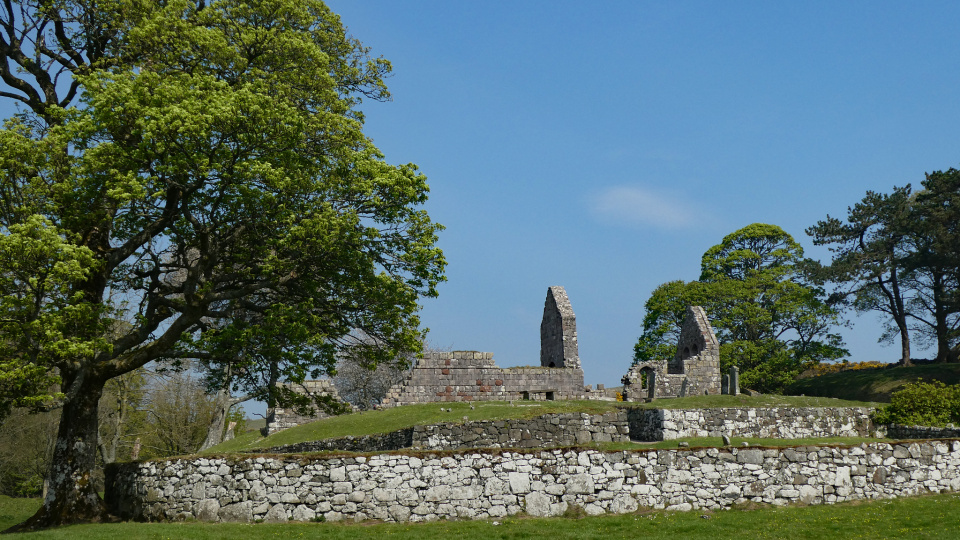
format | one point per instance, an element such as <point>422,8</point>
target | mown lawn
<point>932,516</point>
<point>370,422</point>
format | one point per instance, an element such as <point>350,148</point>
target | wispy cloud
<point>633,205</point>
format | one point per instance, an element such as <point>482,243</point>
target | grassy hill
<point>873,384</point>
<point>385,421</point>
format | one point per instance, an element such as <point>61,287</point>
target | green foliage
<point>199,171</point>
<point>664,313</point>
<point>899,254</point>
<point>26,442</point>
<point>771,321</point>
<point>922,404</point>
<point>238,415</point>
<point>40,311</point>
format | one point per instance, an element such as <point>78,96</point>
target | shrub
<point>922,404</point>
<point>824,369</point>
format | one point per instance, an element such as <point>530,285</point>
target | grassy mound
<point>873,384</point>
<point>370,422</point>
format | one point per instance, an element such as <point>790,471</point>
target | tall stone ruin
<point>694,369</point>
<point>473,376</point>
<point>558,331</point>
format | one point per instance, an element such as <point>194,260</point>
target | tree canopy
<point>194,173</point>
<point>898,254</point>
<point>770,320</point>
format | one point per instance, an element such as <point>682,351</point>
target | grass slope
<point>873,384</point>
<point>385,421</point>
<point>932,516</point>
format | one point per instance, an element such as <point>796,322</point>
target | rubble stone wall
<point>479,485</point>
<point>473,376</point>
<point>563,429</point>
<point>280,418</point>
<point>570,429</point>
<point>775,422</point>
<point>896,431</point>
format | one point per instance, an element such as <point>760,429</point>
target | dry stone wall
<point>775,422</point>
<point>570,429</point>
<point>896,431</point>
<point>473,376</point>
<point>563,429</point>
<point>478,485</point>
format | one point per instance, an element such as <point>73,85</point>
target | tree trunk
<point>71,495</point>
<point>904,345</point>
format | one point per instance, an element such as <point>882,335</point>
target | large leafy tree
<point>176,164</point>
<point>770,320</point>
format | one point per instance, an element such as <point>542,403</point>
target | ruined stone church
<point>474,376</point>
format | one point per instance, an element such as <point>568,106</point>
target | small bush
<point>922,404</point>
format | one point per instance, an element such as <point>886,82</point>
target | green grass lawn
<point>932,516</point>
<point>873,384</point>
<point>385,421</point>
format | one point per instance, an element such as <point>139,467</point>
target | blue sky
<point>605,146</point>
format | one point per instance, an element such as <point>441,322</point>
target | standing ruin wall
<point>694,370</point>
<point>558,331</point>
<point>280,418</point>
<point>473,376</point>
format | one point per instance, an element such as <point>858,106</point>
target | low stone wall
<point>779,422</point>
<point>570,429</point>
<point>564,429</point>
<point>477,485</point>
<point>896,431</point>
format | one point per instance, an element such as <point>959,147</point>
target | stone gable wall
<point>482,485</point>
<point>473,376</point>
<point>558,331</point>
<point>697,356</point>
<point>693,371</point>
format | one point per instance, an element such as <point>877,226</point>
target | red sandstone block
<point>498,382</point>
<point>449,389</point>
<point>445,371</point>
<point>447,362</point>
<point>479,382</point>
